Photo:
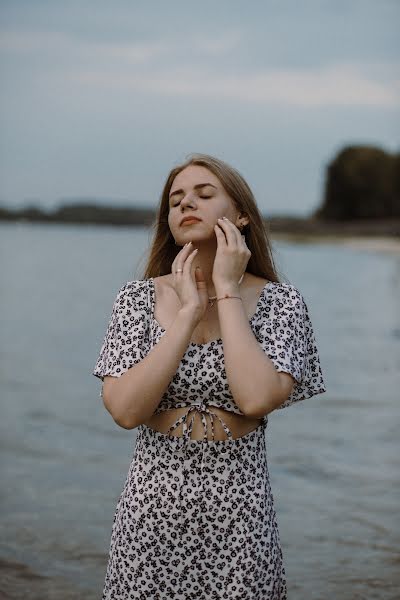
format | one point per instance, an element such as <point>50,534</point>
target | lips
<point>190,220</point>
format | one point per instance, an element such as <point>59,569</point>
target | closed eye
<point>205,197</point>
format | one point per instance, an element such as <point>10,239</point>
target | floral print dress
<point>196,518</point>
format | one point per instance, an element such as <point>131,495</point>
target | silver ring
<point>179,271</point>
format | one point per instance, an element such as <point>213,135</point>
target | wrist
<point>227,290</point>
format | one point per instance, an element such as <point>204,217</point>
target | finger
<point>199,276</point>
<point>188,262</point>
<point>221,239</point>
<point>177,255</point>
<point>201,283</point>
<point>220,233</point>
<point>230,235</point>
<point>180,257</point>
<point>235,229</point>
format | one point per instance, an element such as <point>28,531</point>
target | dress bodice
<point>281,324</point>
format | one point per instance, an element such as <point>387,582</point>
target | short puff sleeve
<point>126,339</point>
<point>286,335</point>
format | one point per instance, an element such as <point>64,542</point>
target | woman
<point>196,355</point>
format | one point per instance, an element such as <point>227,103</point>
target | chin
<point>199,239</point>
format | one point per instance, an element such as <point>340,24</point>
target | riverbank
<point>18,582</point>
<point>312,228</point>
<point>387,244</point>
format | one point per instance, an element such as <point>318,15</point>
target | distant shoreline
<point>376,234</point>
<point>386,244</point>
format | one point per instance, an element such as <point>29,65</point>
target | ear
<point>241,220</point>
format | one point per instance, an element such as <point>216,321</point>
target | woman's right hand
<point>190,285</point>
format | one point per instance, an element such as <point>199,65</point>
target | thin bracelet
<point>227,297</point>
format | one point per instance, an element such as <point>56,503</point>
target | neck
<point>205,259</point>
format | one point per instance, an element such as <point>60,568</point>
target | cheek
<point>173,221</point>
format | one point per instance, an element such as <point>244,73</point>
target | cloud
<point>189,71</point>
<point>59,43</point>
<point>219,45</point>
<point>335,85</point>
<point>136,52</point>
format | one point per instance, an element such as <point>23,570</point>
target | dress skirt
<point>196,520</point>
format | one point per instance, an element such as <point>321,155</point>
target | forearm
<point>252,377</point>
<point>133,397</point>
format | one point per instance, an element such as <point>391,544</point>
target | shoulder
<point>285,293</point>
<point>135,286</point>
<point>164,288</point>
<point>164,282</point>
<point>282,301</point>
<point>133,293</point>
<point>274,289</point>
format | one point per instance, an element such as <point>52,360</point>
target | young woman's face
<point>197,192</point>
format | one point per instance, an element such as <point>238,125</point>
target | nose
<point>187,200</point>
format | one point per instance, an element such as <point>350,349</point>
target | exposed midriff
<point>239,425</point>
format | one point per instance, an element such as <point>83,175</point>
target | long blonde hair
<point>163,248</point>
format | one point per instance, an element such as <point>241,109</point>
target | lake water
<point>333,459</point>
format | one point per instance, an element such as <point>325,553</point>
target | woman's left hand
<point>232,254</point>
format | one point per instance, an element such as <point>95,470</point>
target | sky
<point>100,100</point>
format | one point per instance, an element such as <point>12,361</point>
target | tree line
<point>362,182</point>
<point>361,191</point>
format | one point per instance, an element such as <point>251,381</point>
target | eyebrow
<point>196,187</point>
